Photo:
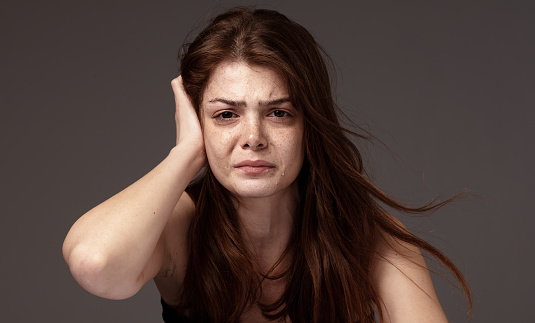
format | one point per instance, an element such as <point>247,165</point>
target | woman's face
<point>253,134</point>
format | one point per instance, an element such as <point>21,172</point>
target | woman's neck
<point>267,225</point>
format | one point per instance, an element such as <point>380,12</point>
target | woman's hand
<point>188,127</point>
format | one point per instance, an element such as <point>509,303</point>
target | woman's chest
<point>170,285</point>
<point>272,290</point>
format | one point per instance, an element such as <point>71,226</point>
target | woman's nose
<point>253,135</point>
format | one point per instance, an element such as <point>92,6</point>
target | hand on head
<point>188,128</point>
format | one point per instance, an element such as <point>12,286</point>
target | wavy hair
<point>340,216</point>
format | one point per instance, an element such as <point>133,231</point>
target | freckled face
<point>253,134</point>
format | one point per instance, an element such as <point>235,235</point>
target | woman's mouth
<point>254,167</point>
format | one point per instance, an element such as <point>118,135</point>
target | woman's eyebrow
<point>229,102</point>
<point>234,103</point>
<point>274,102</point>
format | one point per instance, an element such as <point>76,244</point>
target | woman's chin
<point>259,189</point>
<point>245,192</point>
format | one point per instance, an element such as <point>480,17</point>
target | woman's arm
<point>115,248</point>
<point>402,280</point>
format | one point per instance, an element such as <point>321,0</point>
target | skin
<point>401,278</point>
<point>247,115</point>
<point>244,117</point>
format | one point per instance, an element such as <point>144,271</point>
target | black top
<point>171,315</point>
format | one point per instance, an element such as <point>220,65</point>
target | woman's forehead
<point>242,82</point>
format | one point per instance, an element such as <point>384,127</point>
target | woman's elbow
<point>91,270</point>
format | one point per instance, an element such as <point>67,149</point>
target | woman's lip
<point>253,170</point>
<point>254,167</point>
<point>254,163</point>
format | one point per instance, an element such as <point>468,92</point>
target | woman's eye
<point>226,115</point>
<point>279,114</point>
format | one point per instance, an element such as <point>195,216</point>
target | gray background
<point>86,109</point>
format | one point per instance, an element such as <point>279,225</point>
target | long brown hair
<point>340,216</point>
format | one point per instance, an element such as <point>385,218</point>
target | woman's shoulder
<point>175,246</point>
<point>175,233</point>
<point>402,280</point>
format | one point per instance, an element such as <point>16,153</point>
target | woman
<point>282,223</point>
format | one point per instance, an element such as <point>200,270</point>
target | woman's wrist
<point>190,153</point>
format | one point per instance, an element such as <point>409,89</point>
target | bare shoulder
<point>175,249</point>
<point>401,278</point>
